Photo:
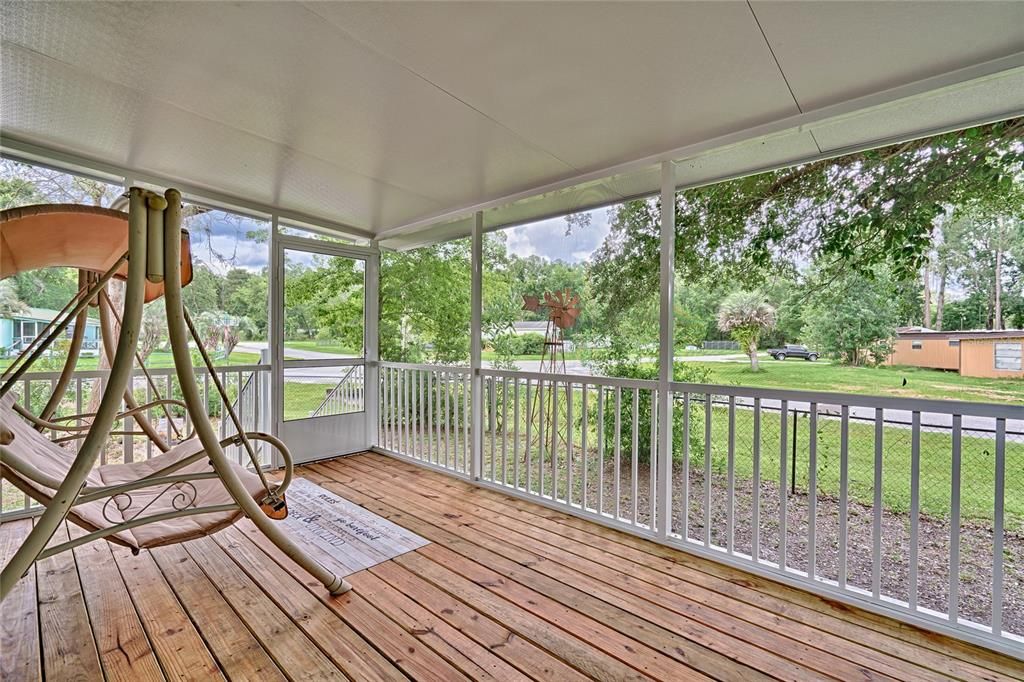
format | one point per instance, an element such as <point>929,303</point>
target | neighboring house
<point>975,353</point>
<point>533,327</point>
<point>19,329</point>
<point>539,327</point>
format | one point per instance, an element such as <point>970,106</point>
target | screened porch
<point>568,523</point>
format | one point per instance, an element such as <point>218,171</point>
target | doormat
<point>341,535</point>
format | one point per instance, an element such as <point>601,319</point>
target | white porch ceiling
<point>399,119</point>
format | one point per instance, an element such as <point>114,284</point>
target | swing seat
<point>53,461</point>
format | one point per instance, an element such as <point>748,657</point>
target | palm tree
<point>745,315</point>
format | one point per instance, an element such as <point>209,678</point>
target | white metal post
<point>475,341</point>
<point>275,282</point>
<point>371,346</point>
<point>666,352</point>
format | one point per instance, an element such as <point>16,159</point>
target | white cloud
<point>547,238</point>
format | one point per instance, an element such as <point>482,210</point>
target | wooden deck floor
<point>506,590</point>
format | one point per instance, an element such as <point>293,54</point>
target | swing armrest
<point>57,426</point>
<point>277,444</point>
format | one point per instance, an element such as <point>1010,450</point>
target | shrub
<point>632,370</point>
<point>529,344</point>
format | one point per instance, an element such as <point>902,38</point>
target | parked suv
<point>792,351</point>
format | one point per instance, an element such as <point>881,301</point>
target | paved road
<point>577,366</point>
<point>304,374</point>
<point>982,427</point>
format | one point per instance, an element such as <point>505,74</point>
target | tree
<point>424,303</point>
<point>220,332</point>
<point>10,304</point>
<point>982,246</point>
<point>745,316</point>
<point>154,329</point>
<point>856,212</point>
<point>855,319</point>
<point>16,191</point>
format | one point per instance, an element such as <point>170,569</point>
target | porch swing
<point>190,490</point>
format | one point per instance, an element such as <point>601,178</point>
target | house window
<point>953,343</point>
<point>916,345</point>
<point>1008,356</point>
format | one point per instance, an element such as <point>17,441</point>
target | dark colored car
<point>792,351</point>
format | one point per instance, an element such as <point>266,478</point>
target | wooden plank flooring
<point>507,590</point>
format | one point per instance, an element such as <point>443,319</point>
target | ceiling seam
<point>79,69</point>
<point>440,88</point>
<point>778,66</point>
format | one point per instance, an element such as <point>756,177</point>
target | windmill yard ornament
<point>563,309</point>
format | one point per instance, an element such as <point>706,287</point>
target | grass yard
<point>320,347</point>
<point>300,398</point>
<point>826,376</point>
<point>156,360</point>
<point>977,473</point>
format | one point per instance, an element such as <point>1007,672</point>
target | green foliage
<point>18,192</point>
<point>848,213</point>
<point>10,303</point>
<point>424,304</point>
<point>48,288</point>
<point>684,372</point>
<point>325,301</point>
<point>855,318</point>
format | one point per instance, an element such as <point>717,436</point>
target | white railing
<point>247,385</point>
<point>348,395</point>
<point>914,508</point>
<point>425,414</point>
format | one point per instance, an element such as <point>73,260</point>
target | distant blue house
<point>18,330</point>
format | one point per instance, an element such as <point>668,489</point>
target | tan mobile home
<point>983,353</point>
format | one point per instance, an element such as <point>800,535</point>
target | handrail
<point>823,398</point>
<point>438,368</point>
<point>571,378</point>
<point>333,393</point>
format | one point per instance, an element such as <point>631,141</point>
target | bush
<point>631,370</point>
<point>529,344</point>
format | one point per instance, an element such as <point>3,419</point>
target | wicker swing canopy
<point>88,238</point>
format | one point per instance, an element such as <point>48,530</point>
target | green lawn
<point>826,376</point>
<point>300,399</point>
<point>977,477</point>
<point>321,347</point>
<point>156,360</point>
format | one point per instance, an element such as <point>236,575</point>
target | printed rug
<point>341,535</point>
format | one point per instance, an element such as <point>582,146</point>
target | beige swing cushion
<point>54,461</point>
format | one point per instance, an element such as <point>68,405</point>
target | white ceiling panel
<point>835,51</point>
<point>152,136</point>
<point>593,83</point>
<point>278,72</point>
